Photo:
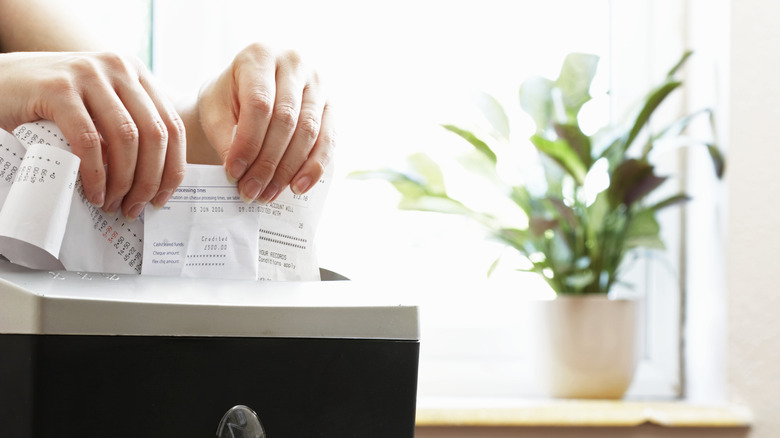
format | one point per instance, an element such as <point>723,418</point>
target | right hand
<point>110,112</point>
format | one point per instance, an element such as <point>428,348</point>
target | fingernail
<point>269,193</point>
<point>301,185</point>
<point>114,207</point>
<point>135,211</point>
<point>237,170</point>
<point>99,200</point>
<point>250,190</point>
<point>161,198</point>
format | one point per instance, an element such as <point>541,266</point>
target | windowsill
<point>575,413</point>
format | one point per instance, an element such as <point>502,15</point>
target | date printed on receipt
<point>202,230</point>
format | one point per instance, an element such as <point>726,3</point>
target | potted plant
<point>597,207</point>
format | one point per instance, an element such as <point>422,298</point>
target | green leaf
<point>436,204</point>
<point>631,181</point>
<point>678,126</point>
<point>574,81</point>
<point>479,164</point>
<point>577,140</point>
<point>679,64</point>
<point>523,199</point>
<point>427,168</point>
<point>565,212</point>
<point>495,114</point>
<point>536,100</point>
<point>563,154</point>
<point>480,145</point>
<point>403,183</point>
<point>616,151</point>
<point>674,129</point>
<point>538,225</point>
<point>668,202</point>
<point>717,159</point>
<point>514,237</point>
<point>652,101</point>
<point>409,188</point>
<point>597,214</point>
<point>580,280</point>
<point>493,266</point>
<point>644,231</point>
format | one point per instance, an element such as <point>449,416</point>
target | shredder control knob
<point>240,422</point>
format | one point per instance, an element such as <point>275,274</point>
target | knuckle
<point>265,167</point>
<point>326,154</point>
<point>176,129</point>
<point>284,172</point>
<point>60,85</point>
<point>173,177</point>
<point>292,58</point>
<point>250,145</point>
<point>127,132</point>
<point>254,51</point>
<point>261,101</point>
<point>314,78</point>
<point>89,140</point>
<point>157,134</point>
<point>328,139</point>
<point>112,60</point>
<point>119,187</point>
<point>324,161</point>
<point>85,66</point>
<point>309,128</point>
<point>146,189</point>
<point>286,116</point>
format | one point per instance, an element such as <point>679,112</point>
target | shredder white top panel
<point>40,302</point>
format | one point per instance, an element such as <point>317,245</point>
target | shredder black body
<point>97,355</point>
<point>152,386</point>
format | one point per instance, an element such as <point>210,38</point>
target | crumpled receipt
<point>205,229</point>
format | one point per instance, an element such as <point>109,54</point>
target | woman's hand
<point>267,119</point>
<point>110,112</point>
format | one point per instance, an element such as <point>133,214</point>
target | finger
<point>135,144</point>
<point>301,144</point>
<point>256,90</point>
<point>175,153</point>
<point>289,94</point>
<point>319,158</point>
<point>121,136</point>
<point>82,134</point>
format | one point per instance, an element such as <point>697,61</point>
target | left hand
<point>268,120</point>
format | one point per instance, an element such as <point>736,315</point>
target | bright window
<point>396,71</point>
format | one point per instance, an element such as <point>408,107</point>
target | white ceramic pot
<point>586,346</point>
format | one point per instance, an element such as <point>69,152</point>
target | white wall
<point>754,215</point>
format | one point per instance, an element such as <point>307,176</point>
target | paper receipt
<point>48,175</point>
<point>201,231</point>
<point>205,229</point>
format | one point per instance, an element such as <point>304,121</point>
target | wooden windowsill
<point>574,413</point>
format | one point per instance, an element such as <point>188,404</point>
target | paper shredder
<point>100,355</point>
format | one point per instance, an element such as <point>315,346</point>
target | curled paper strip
<point>36,209</point>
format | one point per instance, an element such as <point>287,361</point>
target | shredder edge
<point>284,309</point>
